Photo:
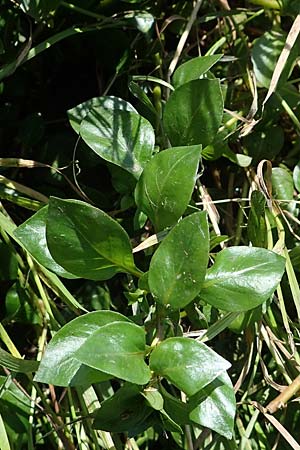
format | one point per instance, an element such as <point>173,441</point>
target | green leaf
<point>146,108</point>
<point>264,144</point>
<point>242,278</point>
<point>17,364</point>
<point>214,407</point>
<point>178,267</point>
<point>56,285</point>
<point>176,409</point>
<point>166,185</point>
<point>296,176</point>
<point>168,423</point>
<point>19,306</point>
<point>265,53</point>
<point>194,113</point>
<point>194,69</point>
<point>86,241</point>
<point>14,407</point>
<point>237,158</point>
<point>59,365</point>
<point>143,20</point>
<point>282,184</point>
<point>79,112</point>
<point>154,398</point>
<point>256,227</point>
<point>117,349</point>
<point>8,264</point>
<point>39,9</point>
<point>4,441</point>
<point>32,234</point>
<point>188,364</point>
<point>121,137</point>
<point>125,411</point>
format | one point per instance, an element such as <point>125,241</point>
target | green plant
<point>151,288</point>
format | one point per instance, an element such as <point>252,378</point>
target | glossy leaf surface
<point>193,69</point>
<point>167,183</point>
<point>121,137</point>
<point>86,241</point>
<point>242,278</point>
<point>214,407</point>
<point>117,349</point>
<point>188,364</point>
<point>194,113</point>
<point>59,365</point>
<point>32,234</point>
<point>79,112</point>
<point>178,267</point>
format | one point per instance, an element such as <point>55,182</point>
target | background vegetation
<point>57,55</point>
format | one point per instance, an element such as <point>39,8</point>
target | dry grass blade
<point>283,431</point>
<point>150,241</point>
<point>183,38</point>
<point>289,43</point>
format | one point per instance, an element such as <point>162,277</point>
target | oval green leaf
<point>242,278</point>
<point>79,112</point>
<point>125,411</point>
<point>86,241</point>
<point>121,137</point>
<point>193,113</point>
<point>214,407</point>
<point>32,234</point>
<point>166,185</point>
<point>296,176</point>
<point>117,349</point>
<point>59,365</point>
<point>178,267</point>
<point>188,364</point>
<point>265,53</point>
<point>194,69</point>
<point>282,183</point>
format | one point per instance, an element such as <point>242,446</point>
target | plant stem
<point>82,10</point>
<point>238,233</point>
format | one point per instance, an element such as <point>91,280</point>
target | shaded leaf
<point>125,411</point>
<point>282,184</point>
<point>79,112</point>
<point>8,263</point>
<point>121,137</point>
<point>242,278</point>
<point>188,364</point>
<point>167,183</point>
<point>264,144</point>
<point>178,267</point>
<point>265,53</point>
<point>14,407</point>
<point>296,176</point>
<point>17,364</point>
<point>256,228</point>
